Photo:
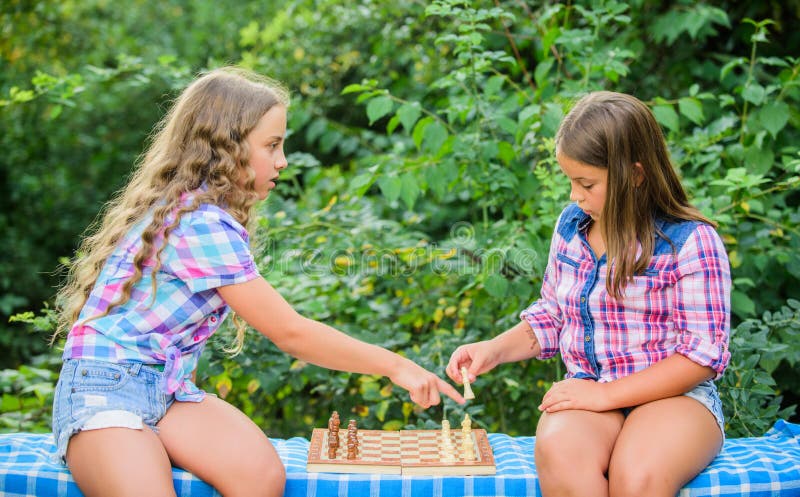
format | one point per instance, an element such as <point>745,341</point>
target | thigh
<point>120,462</point>
<point>219,444</point>
<point>578,438</point>
<point>664,444</point>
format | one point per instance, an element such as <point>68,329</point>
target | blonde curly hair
<point>200,141</point>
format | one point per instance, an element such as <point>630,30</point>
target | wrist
<point>610,393</point>
<point>392,367</point>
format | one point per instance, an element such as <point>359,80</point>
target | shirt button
<point>588,338</point>
<point>583,299</point>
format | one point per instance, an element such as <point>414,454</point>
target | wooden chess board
<point>407,452</point>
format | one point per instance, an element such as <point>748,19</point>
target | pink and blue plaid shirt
<point>681,304</point>
<point>207,249</point>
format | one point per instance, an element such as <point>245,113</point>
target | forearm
<point>516,344</point>
<point>325,346</point>
<point>670,377</point>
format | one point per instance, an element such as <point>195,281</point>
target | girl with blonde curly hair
<point>167,262</point>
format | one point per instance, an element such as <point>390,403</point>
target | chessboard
<point>407,452</point>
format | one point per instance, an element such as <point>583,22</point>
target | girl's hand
<point>423,386</point>
<point>478,358</point>
<point>587,395</point>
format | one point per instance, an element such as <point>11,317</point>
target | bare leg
<point>572,452</point>
<point>120,462</point>
<point>223,447</point>
<point>662,445</point>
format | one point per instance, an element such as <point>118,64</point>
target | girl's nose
<point>572,195</point>
<point>282,162</point>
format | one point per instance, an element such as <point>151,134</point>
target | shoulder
<point>210,218</point>
<point>569,220</point>
<point>677,236</point>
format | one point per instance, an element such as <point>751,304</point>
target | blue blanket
<point>755,467</point>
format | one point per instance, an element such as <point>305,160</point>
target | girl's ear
<point>638,173</point>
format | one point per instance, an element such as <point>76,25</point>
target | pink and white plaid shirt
<point>681,304</point>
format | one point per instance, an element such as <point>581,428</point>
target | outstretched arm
<point>258,303</point>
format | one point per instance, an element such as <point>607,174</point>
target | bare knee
<point>552,454</point>
<point>638,480</point>
<point>260,476</point>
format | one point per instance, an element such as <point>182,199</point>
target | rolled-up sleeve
<point>211,250</point>
<point>702,300</point>
<point>544,315</point>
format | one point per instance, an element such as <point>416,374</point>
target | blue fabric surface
<point>767,466</point>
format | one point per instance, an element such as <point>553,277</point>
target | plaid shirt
<point>207,249</point>
<point>680,304</point>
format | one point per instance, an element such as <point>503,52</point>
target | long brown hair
<point>615,131</point>
<point>200,141</point>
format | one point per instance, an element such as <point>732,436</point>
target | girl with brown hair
<point>636,299</point>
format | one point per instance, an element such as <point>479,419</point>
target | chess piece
<point>447,449</point>
<point>468,449</point>
<point>352,439</point>
<point>467,444</point>
<point>333,422</point>
<point>333,435</point>
<point>468,393</point>
<point>466,425</point>
<point>352,451</point>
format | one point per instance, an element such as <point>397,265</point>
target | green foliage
<point>750,396</point>
<point>423,190</point>
<point>27,401</point>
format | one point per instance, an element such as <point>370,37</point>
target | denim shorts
<point>706,393</point>
<point>92,394</point>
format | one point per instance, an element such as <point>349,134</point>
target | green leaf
<point>774,116</point>
<point>435,136</point>
<point>379,107</point>
<point>355,88</point>
<point>754,93</point>
<point>496,285</point>
<point>361,183</point>
<point>759,161</point>
<point>667,117</point>
<point>437,182</point>
<point>393,123</point>
<point>691,108</point>
<point>390,187</point>
<point>551,119</point>
<point>506,152</point>
<point>419,131</point>
<point>408,115</point>
<point>409,190</point>
<point>741,304</point>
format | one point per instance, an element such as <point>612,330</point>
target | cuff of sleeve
<point>202,283</point>
<point>547,344</point>
<point>704,353</point>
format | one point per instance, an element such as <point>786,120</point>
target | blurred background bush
<point>422,190</point>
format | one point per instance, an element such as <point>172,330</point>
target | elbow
<point>287,335</point>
